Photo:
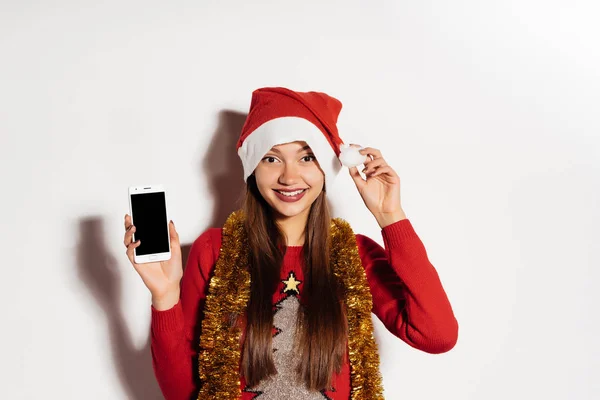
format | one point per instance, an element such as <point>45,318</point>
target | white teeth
<point>289,194</point>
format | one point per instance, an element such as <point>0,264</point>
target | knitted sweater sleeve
<point>175,332</point>
<point>408,296</point>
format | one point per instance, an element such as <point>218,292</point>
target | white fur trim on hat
<point>285,130</point>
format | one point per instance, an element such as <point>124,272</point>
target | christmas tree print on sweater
<point>284,384</point>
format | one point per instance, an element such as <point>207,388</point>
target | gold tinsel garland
<point>229,292</point>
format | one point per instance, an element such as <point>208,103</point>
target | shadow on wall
<point>223,168</point>
<point>100,272</point>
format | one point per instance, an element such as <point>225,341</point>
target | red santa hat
<point>278,115</point>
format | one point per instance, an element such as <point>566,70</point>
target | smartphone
<point>148,210</point>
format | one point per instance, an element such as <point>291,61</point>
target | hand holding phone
<point>160,265</point>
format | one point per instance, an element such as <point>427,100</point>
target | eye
<point>310,156</point>
<point>269,158</point>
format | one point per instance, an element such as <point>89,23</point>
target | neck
<point>293,228</point>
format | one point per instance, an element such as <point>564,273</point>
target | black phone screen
<point>149,211</point>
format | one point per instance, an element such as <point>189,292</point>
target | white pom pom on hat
<point>279,115</point>
<point>351,157</point>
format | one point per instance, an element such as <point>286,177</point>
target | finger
<point>127,221</point>
<point>129,235</point>
<point>384,170</point>
<point>172,231</point>
<point>357,178</point>
<point>370,151</point>
<point>130,252</point>
<point>173,235</point>
<point>372,165</point>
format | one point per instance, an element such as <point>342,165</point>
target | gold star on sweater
<point>291,284</point>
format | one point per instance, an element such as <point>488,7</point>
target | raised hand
<point>380,190</point>
<point>161,278</point>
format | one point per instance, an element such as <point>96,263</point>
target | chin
<point>288,210</point>
<point>286,213</point>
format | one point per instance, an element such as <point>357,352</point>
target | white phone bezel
<point>155,257</point>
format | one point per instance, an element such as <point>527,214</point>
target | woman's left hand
<point>381,189</point>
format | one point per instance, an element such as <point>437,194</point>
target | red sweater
<point>408,298</point>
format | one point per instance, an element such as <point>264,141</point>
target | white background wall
<point>489,111</point>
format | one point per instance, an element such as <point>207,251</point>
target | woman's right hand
<point>161,278</point>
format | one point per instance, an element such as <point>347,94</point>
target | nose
<point>289,175</point>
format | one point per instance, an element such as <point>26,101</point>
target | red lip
<point>289,199</point>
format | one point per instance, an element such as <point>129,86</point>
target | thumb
<point>358,180</point>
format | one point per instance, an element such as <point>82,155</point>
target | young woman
<point>277,303</point>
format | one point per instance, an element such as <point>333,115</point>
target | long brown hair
<point>322,329</point>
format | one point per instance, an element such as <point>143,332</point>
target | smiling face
<point>289,178</point>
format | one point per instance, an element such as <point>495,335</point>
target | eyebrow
<point>302,149</point>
